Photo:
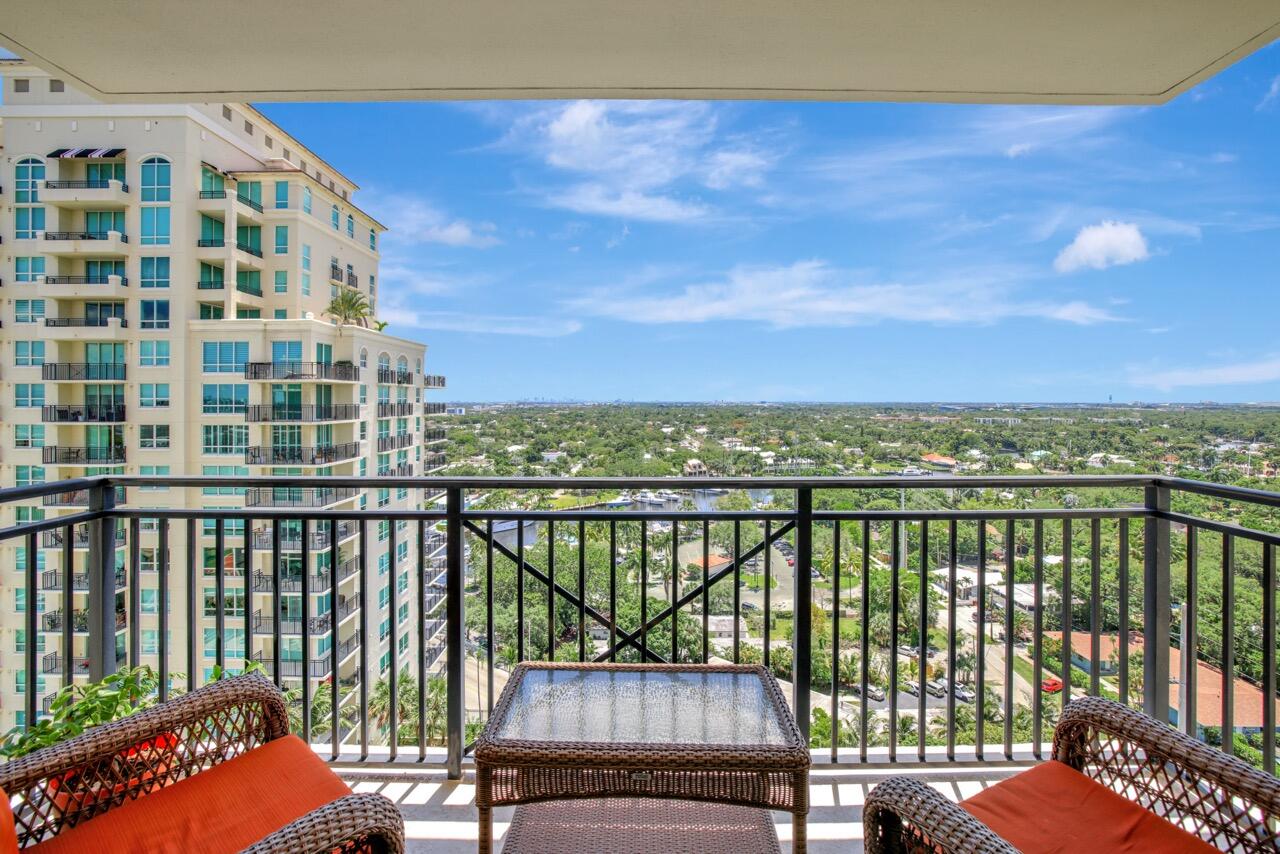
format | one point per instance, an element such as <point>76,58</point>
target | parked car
<point>911,687</point>
<point>908,650</point>
<point>965,694</point>
<point>936,688</point>
<point>874,692</point>
<point>750,606</point>
<point>1051,685</point>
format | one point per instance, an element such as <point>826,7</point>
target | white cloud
<point>412,220</point>
<point>1018,149</point>
<point>1273,95</point>
<point>638,159</point>
<point>810,293</point>
<point>1107,244</point>
<point>1265,370</point>
<point>491,324</point>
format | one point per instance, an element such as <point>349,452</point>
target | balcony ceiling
<point>1012,51</point>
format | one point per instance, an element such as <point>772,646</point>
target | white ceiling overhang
<point>1002,51</point>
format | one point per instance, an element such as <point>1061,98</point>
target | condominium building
<point>167,271</point>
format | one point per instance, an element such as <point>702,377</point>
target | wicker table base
<point>639,826</point>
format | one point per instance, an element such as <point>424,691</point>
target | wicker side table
<point>719,733</point>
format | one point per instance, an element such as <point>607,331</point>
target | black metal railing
<point>433,381</point>
<point>394,376</point>
<point>84,235</point>
<point>85,280</point>
<point>249,203</point>
<point>267,412</point>
<point>92,322</point>
<point>300,496</point>
<point>213,194</point>
<point>911,620</point>
<point>290,455</point>
<point>87,413</point>
<point>399,470</point>
<point>433,434</point>
<point>335,272</point>
<point>394,410</point>
<point>53,663</point>
<point>83,185</point>
<point>353,280</point>
<point>83,371</point>
<point>255,251</point>
<point>336,371</point>
<point>55,537</point>
<point>432,408</point>
<point>433,461</point>
<point>92,455</point>
<point>291,538</point>
<point>211,242</point>
<point>394,442</point>
<point>248,288</point>
<point>210,285</point>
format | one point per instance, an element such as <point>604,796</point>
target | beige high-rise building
<point>166,274</point>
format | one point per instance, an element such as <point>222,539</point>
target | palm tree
<point>349,307</point>
<point>406,707</point>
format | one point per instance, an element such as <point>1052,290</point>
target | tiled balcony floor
<point>440,814</point>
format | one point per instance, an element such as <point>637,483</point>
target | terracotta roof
<point>1209,681</point>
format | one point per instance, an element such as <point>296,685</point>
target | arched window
<point>155,179</point>
<point>364,358</point>
<point>27,178</point>
<point>384,361</point>
<point>334,217</point>
<point>351,226</point>
<point>402,364</point>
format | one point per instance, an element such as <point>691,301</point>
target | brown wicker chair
<point>1219,798</point>
<point>216,723</point>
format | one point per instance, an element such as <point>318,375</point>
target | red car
<point>1052,685</point>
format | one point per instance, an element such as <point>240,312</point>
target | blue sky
<point>799,251</point>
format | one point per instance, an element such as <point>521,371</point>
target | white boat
<point>621,501</point>
<point>647,497</point>
<point>667,495</point>
<point>913,471</point>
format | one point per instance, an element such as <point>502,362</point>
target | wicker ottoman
<point>639,826</point>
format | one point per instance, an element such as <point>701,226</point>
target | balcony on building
<point>302,413</point>
<point>433,381</point>
<point>336,273</point>
<point>433,435</point>
<point>81,286</point>
<point>291,537</point>
<point>86,413</point>
<point>394,376</point>
<point>301,455</point>
<point>53,662</point>
<point>391,409</point>
<point>92,455</point>
<point>394,442</point>
<point>301,496</point>
<point>338,372</point>
<point>94,194</point>
<point>85,243</point>
<point>83,372</point>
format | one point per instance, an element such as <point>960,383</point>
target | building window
<point>364,358</point>
<point>155,180</point>
<point>26,180</point>
<point>225,357</point>
<point>27,354</point>
<point>28,269</point>
<point>153,436</point>
<point>335,218</point>
<point>226,112</point>
<point>306,200</point>
<point>153,395</point>
<point>351,226</point>
<point>155,272</point>
<point>282,281</point>
<point>210,311</point>
<point>28,475</point>
<point>225,438</point>
<point>27,223</point>
<point>28,435</point>
<point>153,471</point>
<point>155,226</point>
<point>282,194</point>
<point>373,240</point>
<point>56,85</point>
<point>21,84</point>
<point>153,354</point>
<point>282,239</point>
<point>248,127</point>
<point>225,398</point>
<point>28,395</point>
<point>155,314</point>
<point>280,314</point>
<point>28,310</point>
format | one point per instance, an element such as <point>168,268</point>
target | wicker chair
<point>116,765</point>
<point>1219,798</point>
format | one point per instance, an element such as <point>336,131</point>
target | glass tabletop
<point>642,706</point>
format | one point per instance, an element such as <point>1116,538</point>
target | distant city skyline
<point>689,251</point>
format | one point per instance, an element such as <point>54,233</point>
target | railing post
<point>802,611</point>
<point>1156,622</point>
<point>455,627</point>
<point>102,584</point>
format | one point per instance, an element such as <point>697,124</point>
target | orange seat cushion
<point>8,829</point>
<point>222,809</point>
<point>1054,809</point>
